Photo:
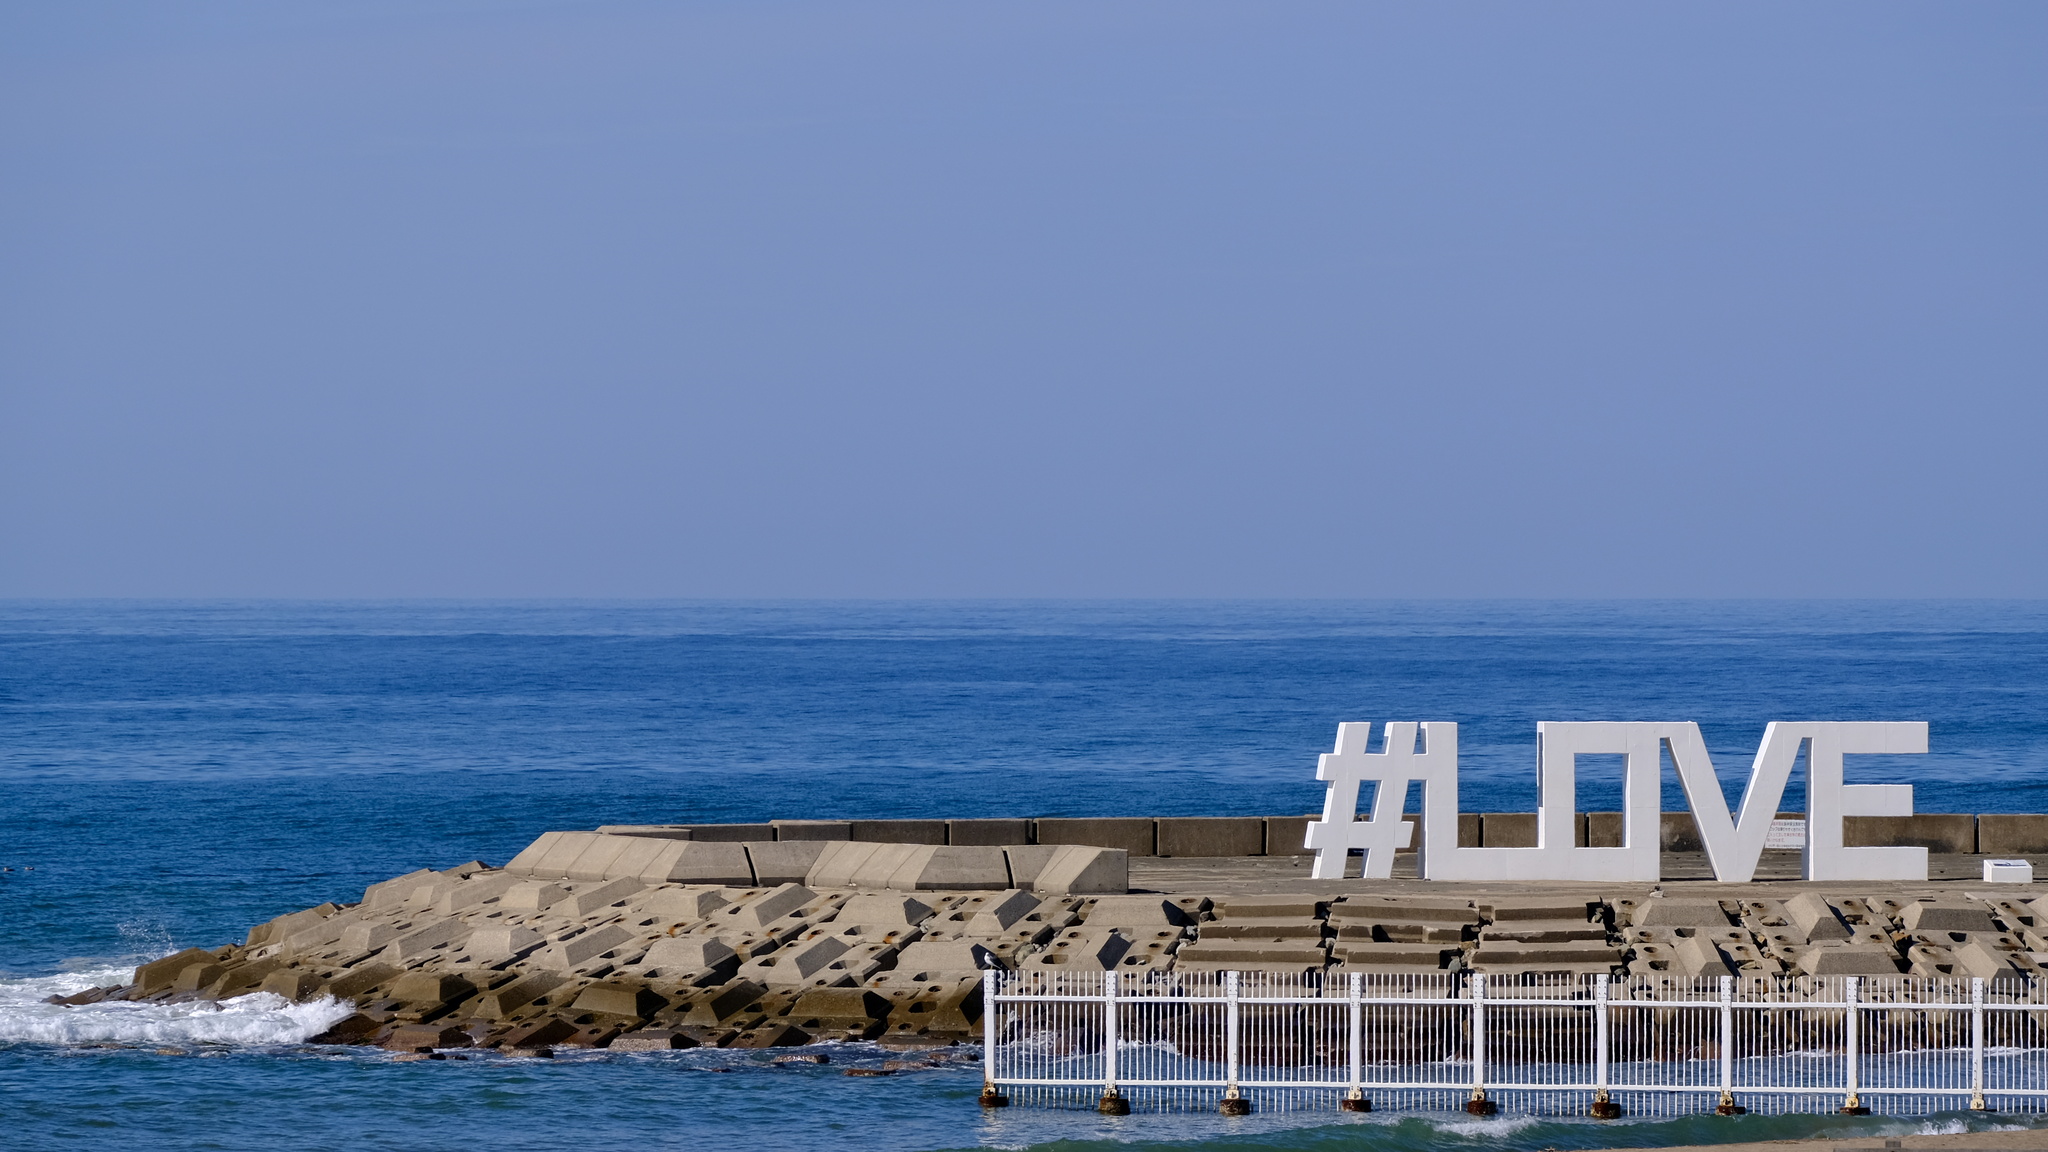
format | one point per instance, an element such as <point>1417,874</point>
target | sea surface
<point>173,772</point>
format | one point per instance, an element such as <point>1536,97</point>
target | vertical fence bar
<point>1728,1106</point>
<point>991,1020</point>
<point>1479,1105</point>
<point>1604,1107</point>
<point>1851,1034</point>
<point>1112,1102</point>
<point>1234,1103</point>
<point>1354,1101</point>
<point>1977,1043</point>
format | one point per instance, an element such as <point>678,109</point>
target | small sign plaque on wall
<point>1786,834</point>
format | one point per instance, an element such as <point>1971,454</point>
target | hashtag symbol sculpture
<point>1339,831</point>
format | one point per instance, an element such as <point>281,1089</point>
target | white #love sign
<point>1734,842</point>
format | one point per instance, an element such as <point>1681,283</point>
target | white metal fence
<point>1543,1044</point>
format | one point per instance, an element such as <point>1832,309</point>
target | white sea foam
<point>258,1018</point>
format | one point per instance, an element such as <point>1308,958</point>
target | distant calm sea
<point>174,772</point>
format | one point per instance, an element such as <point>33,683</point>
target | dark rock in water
<point>89,996</point>
<point>771,1036</point>
<point>539,1034</point>
<point>414,1037</point>
<point>353,1029</point>
<point>652,1040</point>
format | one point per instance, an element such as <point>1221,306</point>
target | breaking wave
<point>256,1019</point>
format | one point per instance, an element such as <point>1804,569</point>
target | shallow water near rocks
<point>174,773</point>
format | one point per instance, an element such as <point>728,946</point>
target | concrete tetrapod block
<point>2011,834</point>
<point>1078,870</point>
<point>1132,834</point>
<point>1210,835</point>
<point>398,889</point>
<point>431,988</point>
<point>693,959</point>
<point>784,861</point>
<point>495,945</point>
<point>619,999</point>
<point>566,955</point>
<point>532,896</point>
<point>587,902</point>
<point>1953,833</point>
<point>986,833</point>
<point>701,862</point>
<point>883,911</point>
<point>474,891</point>
<point>943,868</point>
<point>683,903</point>
<point>768,907</point>
<point>947,956</point>
<point>1082,950</point>
<point>497,1003</point>
<point>1946,916</point>
<point>812,829</point>
<point>899,831</point>
<point>795,963</point>
<point>1849,960</point>
<point>1815,918</point>
<point>999,914</point>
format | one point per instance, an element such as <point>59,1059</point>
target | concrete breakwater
<point>669,936</point>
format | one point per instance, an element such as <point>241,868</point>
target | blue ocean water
<point>174,772</point>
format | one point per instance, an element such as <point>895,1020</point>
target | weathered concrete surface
<point>593,938</point>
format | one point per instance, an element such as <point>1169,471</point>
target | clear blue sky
<point>1031,299</point>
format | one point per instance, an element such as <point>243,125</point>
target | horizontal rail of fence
<point>1546,1044</point>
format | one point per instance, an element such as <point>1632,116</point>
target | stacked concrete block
<point>988,833</point>
<point>1260,934</point>
<point>1382,935</point>
<point>1945,832</point>
<point>1134,835</point>
<point>900,831</point>
<point>1210,836</point>
<point>2012,834</point>
<point>812,829</point>
<point>1544,935</point>
<point>1844,936</point>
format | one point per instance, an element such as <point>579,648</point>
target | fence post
<point>1977,1044</point>
<point>1604,1107</point>
<point>1479,1105</point>
<point>990,1097</point>
<point>1355,1101</point>
<point>1112,1102</point>
<point>1852,1023</point>
<point>1728,1106</point>
<point>1234,1102</point>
